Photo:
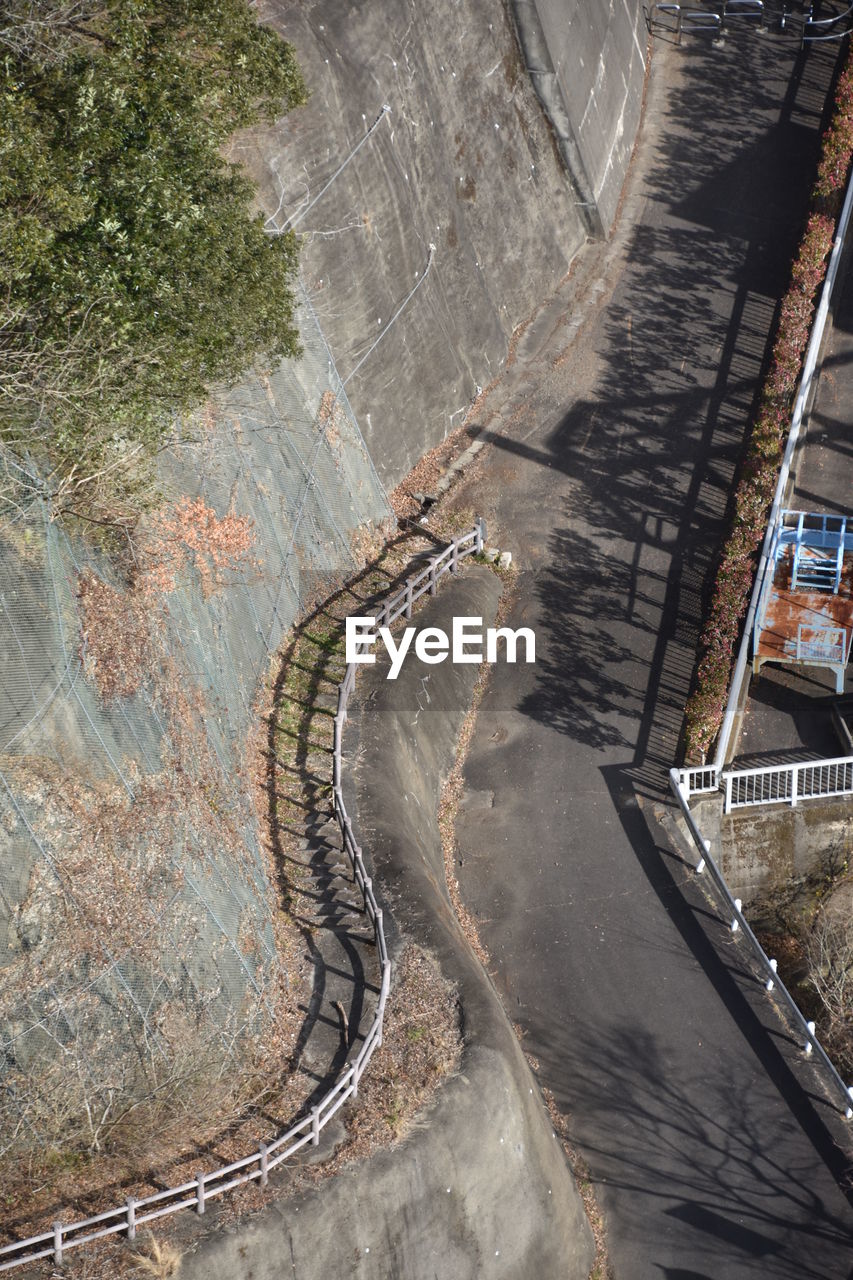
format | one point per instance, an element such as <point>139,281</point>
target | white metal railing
<point>788,783</point>
<point>826,27</point>
<point>687,18</point>
<point>739,924</point>
<point>699,781</point>
<point>206,1185</point>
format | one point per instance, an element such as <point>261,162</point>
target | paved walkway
<point>789,712</point>
<point>615,437</point>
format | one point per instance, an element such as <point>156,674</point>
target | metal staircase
<point>818,568</point>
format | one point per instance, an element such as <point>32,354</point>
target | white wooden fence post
<point>199,1204</point>
<point>57,1244</point>
<point>131,1217</point>
<point>262,1148</point>
<point>433,579</point>
<point>795,775</point>
<point>729,794</point>
<point>315,1126</point>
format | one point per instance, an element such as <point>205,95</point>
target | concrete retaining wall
<point>587,62</point>
<point>768,850</point>
<point>465,160</point>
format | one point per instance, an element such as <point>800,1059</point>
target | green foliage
<point>132,271</point>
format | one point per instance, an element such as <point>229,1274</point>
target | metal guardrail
<point>675,18</point>
<point>699,781</point>
<point>134,1213</point>
<point>771,784</point>
<point>788,783</point>
<point>766,574</point>
<point>738,923</point>
<point>827,28</point>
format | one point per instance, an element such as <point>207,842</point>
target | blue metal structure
<point>806,566</point>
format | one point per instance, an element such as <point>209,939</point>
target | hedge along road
<point>710,1146</point>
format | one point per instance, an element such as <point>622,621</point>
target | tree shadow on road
<point>653,455</point>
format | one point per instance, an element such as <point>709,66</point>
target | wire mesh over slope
<point>143,965</point>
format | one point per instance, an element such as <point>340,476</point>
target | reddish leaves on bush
<point>837,144</point>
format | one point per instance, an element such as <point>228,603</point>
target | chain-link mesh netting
<point>138,921</point>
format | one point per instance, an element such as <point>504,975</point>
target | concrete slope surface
<point>713,1150</point>
<point>462,160</point>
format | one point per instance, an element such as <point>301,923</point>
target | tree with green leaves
<point>133,273</point>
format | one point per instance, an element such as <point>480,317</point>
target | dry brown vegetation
<point>162,1261</point>
<point>601,1265</point>
<point>421,1046</point>
<point>451,794</point>
<point>125,1059</point>
<point>808,928</point>
<point>828,950</point>
<point>425,475</point>
<point>291,780</point>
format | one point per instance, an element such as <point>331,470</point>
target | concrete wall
<point>766,851</point>
<point>587,60</point>
<point>464,160</point>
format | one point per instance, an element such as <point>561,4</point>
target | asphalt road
<point>713,1152</point>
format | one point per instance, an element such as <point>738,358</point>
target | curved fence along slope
<point>127,1218</point>
<point>780,783</point>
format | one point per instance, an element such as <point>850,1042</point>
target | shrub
<point>132,271</point>
<point>837,145</point>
